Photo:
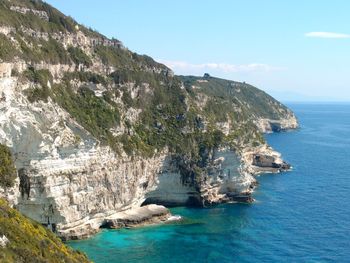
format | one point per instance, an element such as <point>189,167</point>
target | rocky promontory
<point>96,130</point>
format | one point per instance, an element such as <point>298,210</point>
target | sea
<point>299,216</point>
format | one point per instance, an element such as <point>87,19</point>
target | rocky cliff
<point>95,129</point>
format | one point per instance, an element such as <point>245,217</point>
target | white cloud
<point>188,68</point>
<point>327,35</point>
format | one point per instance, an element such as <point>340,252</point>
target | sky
<point>295,50</point>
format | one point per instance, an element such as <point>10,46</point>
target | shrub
<point>93,113</point>
<point>41,78</point>
<point>31,242</point>
<point>86,76</point>
<point>7,167</point>
<point>7,49</point>
<point>79,57</point>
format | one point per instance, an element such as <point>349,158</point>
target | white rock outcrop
<point>4,241</point>
<point>268,125</point>
<point>73,188</point>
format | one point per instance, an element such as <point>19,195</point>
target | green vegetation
<point>57,21</point>
<point>86,76</point>
<point>239,95</point>
<point>79,57</point>
<point>41,78</point>
<point>92,112</point>
<point>31,242</point>
<point>113,57</point>
<point>38,50</point>
<point>126,60</point>
<point>7,49</point>
<point>7,167</point>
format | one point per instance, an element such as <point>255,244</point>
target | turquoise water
<point>299,216</point>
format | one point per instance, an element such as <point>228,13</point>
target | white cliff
<point>74,183</point>
<point>74,186</point>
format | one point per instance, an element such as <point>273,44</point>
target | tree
<point>7,167</point>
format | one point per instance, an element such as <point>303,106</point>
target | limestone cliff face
<point>96,129</point>
<point>74,185</point>
<point>62,181</point>
<point>223,180</point>
<point>269,125</point>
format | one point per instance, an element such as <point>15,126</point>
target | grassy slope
<point>31,242</point>
<point>240,94</point>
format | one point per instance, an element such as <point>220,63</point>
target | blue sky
<point>295,50</point>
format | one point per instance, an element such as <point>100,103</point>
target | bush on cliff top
<point>7,167</point>
<point>31,242</point>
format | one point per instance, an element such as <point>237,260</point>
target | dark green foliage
<point>217,109</point>
<point>145,61</point>
<point>7,167</point>
<point>86,76</point>
<point>79,57</point>
<point>92,112</point>
<point>14,72</point>
<point>38,93</point>
<point>164,116</point>
<point>7,49</point>
<point>233,93</point>
<point>53,52</point>
<point>38,50</point>
<point>113,56</point>
<point>31,242</point>
<point>126,98</point>
<point>41,90</point>
<point>41,77</point>
<point>108,97</point>
<point>58,19</point>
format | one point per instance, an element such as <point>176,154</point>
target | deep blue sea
<point>298,216</point>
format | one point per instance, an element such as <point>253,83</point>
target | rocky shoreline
<point>133,217</point>
<point>263,159</point>
<point>140,216</point>
<point>269,125</point>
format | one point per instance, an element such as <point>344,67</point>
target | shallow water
<point>298,216</point>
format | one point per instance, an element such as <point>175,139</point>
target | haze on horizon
<point>294,50</point>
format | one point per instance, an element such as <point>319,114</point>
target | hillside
<point>23,240</point>
<point>95,128</point>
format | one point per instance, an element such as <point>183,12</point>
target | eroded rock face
<point>61,183</point>
<point>222,181</point>
<point>267,161</point>
<point>171,189</point>
<point>84,189</point>
<point>74,187</point>
<point>263,159</point>
<point>268,125</point>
